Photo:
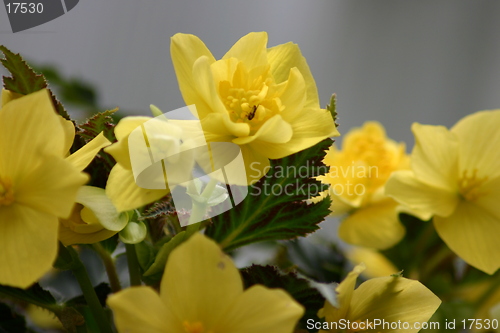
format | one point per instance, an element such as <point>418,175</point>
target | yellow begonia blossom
<point>94,218</point>
<point>389,300</point>
<point>202,292</point>
<point>263,99</point>
<point>356,176</point>
<point>455,179</point>
<point>37,185</point>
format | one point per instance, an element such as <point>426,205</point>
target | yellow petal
<point>309,128</point>
<point>124,192</point>
<point>83,156</point>
<point>256,165</point>
<point>119,150</point>
<point>274,130</point>
<point>491,197</point>
<point>29,127</point>
<point>140,310</point>
<point>423,197</point>
<point>434,158</point>
<point>376,226</point>
<point>50,187</point>
<point>205,86</point>
<point>377,265</point>
<point>479,142</point>
<point>185,50</point>
<point>285,56</point>
<point>200,282</point>
<point>472,233</point>
<point>69,134</point>
<point>250,49</point>
<point>28,244</point>
<point>8,96</point>
<point>393,299</point>
<point>345,291</point>
<point>294,95</point>
<point>260,309</point>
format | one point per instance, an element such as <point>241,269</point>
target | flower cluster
<point>172,195</point>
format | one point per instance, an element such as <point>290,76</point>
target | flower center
<point>195,327</point>
<point>6,192</point>
<point>250,98</point>
<point>469,187</point>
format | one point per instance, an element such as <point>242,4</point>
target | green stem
<point>443,254</point>
<point>109,264</point>
<point>133,265</point>
<point>80,272</point>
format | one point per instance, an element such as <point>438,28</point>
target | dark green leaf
<point>270,213</point>
<point>24,80</point>
<point>145,254</point>
<point>34,294</point>
<point>100,122</point>
<point>298,288</point>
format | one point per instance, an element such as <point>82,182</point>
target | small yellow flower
<point>94,218</point>
<point>37,185</point>
<point>384,299</point>
<point>455,178</point>
<point>357,175</point>
<point>202,292</point>
<point>264,100</point>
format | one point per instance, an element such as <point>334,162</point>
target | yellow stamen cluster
<point>6,192</point>
<point>248,100</point>
<point>469,187</point>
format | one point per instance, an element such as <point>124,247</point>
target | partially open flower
<point>356,176</point>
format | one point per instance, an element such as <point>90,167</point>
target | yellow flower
<point>37,185</point>
<point>377,301</point>
<point>455,177</point>
<point>94,218</point>
<point>357,175</point>
<point>202,292</point>
<point>264,100</point>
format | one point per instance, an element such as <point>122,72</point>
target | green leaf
<point>332,107</point>
<point>275,208</point>
<point>24,80</point>
<point>34,295</point>
<point>145,254</point>
<point>298,288</point>
<point>100,122</point>
<point>160,261</point>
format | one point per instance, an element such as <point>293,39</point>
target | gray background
<point>393,61</point>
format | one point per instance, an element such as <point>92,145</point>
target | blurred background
<point>393,61</point>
